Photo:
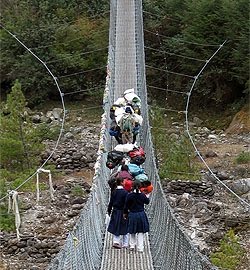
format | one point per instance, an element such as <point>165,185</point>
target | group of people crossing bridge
<point>129,184</point>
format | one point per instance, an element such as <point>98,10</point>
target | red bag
<point>137,152</point>
<point>147,189</point>
<point>127,184</point>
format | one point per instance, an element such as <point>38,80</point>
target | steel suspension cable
<point>171,72</point>
<point>182,40</point>
<point>73,55</point>
<point>174,54</point>
<point>191,138</point>
<point>81,72</point>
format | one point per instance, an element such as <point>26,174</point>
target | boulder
<point>240,123</point>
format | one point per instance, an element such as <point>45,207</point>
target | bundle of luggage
<point>129,167</point>
<point>126,118</point>
<point>123,153</point>
<point>129,174</point>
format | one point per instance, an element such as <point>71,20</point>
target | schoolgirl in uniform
<point>138,223</point>
<point>118,224</point>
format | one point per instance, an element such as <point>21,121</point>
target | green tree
<point>19,145</point>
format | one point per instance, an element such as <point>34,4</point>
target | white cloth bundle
<point>124,147</point>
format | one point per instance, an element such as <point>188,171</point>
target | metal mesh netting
<point>170,246</point>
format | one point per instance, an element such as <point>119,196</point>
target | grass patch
<point>243,158</point>
<point>77,191</point>
<point>175,154</point>
<point>230,252</point>
<point>7,221</point>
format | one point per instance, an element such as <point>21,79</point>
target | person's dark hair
<point>128,110</point>
<point>112,183</point>
<point>119,181</point>
<point>145,183</point>
<point>124,167</point>
<point>136,186</point>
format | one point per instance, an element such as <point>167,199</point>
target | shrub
<point>229,254</point>
<point>77,191</point>
<point>7,221</point>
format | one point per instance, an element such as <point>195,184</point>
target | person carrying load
<point>127,125</point>
<point>126,118</point>
<point>133,100</point>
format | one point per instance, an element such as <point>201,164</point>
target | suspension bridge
<point>88,246</point>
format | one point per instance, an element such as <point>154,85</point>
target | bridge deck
<point>125,53</point>
<point>125,77</point>
<point>124,259</point>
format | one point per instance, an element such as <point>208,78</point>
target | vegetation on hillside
<point>174,154</point>
<point>67,35</point>
<point>21,141</point>
<point>20,147</point>
<point>230,252</point>
<point>71,37</point>
<point>195,29</point>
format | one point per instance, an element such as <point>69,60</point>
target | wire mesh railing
<point>83,246</point>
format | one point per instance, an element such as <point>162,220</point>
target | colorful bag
<point>114,158</point>
<point>135,169</point>
<point>141,177</point>
<point>137,152</point>
<point>127,184</point>
<point>137,156</point>
<point>124,175</point>
<point>148,189</point>
<point>113,132</point>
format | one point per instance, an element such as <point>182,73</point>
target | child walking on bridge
<point>138,223</point>
<point>118,224</point>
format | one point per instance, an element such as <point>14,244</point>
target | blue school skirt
<point>137,222</point>
<point>118,225</point>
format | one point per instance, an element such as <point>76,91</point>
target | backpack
<point>127,122</point>
<point>138,160</point>
<point>114,129</point>
<point>137,152</point>
<point>141,177</point>
<point>137,156</point>
<point>114,158</point>
<point>135,169</point>
<point>113,132</point>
